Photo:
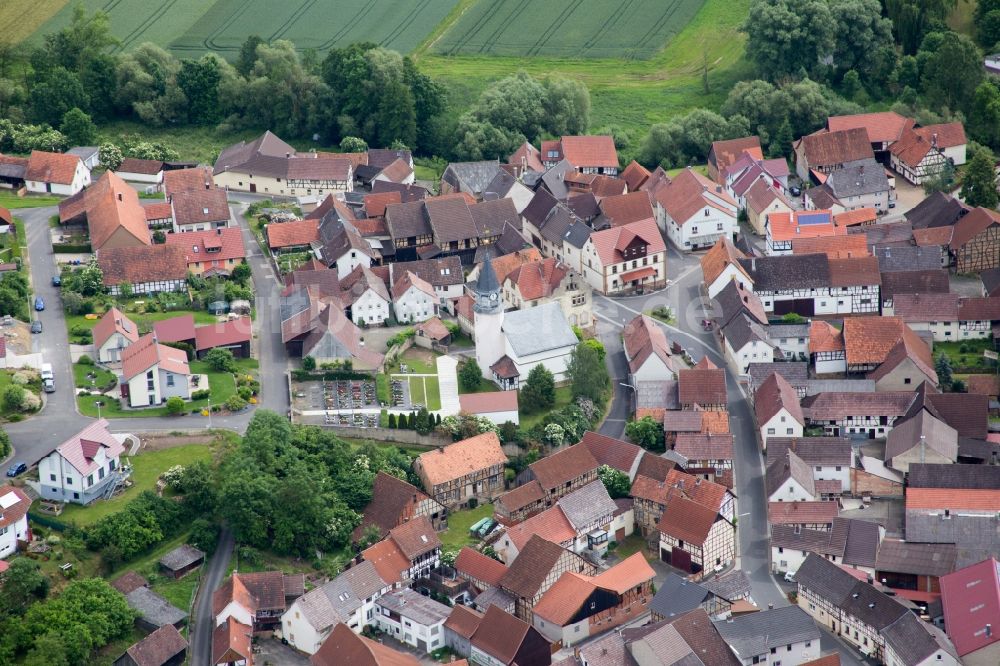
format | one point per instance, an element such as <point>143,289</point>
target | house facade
<point>152,372</point>
<point>695,212</point>
<point>413,299</point>
<point>626,258</point>
<point>55,173</point>
<point>13,519</point>
<point>471,468</point>
<point>82,468</point>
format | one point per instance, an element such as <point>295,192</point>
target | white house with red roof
<point>211,253</point>
<point>55,173</point>
<point>694,211</point>
<point>587,154</point>
<point>414,299</point>
<point>619,259</point>
<point>80,469</point>
<point>13,519</point>
<point>152,372</point>
<point>112,334</point>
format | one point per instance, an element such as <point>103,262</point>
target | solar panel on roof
<point>814,218</point>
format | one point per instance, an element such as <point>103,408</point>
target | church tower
<point>489,317</point>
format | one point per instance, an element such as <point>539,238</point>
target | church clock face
<point>493,297</point>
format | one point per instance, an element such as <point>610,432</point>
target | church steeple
<point>487,291</point>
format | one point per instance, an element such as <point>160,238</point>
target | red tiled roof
<point>951,498</point>
<point>375,203</point>
<point>551,525</point>
<point>704,446</point>
<point>183,180</point>
<point>476,565</point>
<point>457,460</point>
<point>774,394</point>
<point>971,225</point>
<point>175,329</point>
<point>114,320</point>
<point>971,600</point>
<point>505,264</point>
<point>230,332</point>
<point>231,643</point>
<point>788,226</point>
<point>200,206</point>
<point>388,560</point>
<point>702,386</point>
<point>623,209</point>
<point>685,195</point>
<point>80,449</point>
<point>610,451</point>
<point>143,354</point>
<point>722,254</point>
<point>13,511</point>
<point>869,339</point>
<point>823,337</point>
<point>211,245</point>
<point>589,151</point>
<point>110,205</point>
<point>487,403</point>
<point>687,520</point>
<point>565,465</point>
<point>140,264</point>
<point>944,135</point>
<point>854,217</point>
<point>343,646</point>
<point>291,234</point>
<point>51,167</point>
<point>829,148</point>
<point>520,497</point>
<point>611,243</point>
<point>727,152</point>
<point>634,176</point>
<point>834,247</point>
<point>159,210</point>
<point>563,600</point>
<point>802,513</point>
<point>136,165</point>
<point>884,126</point>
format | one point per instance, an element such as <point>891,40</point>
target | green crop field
<point>192,27</point>
<point>628,29</point>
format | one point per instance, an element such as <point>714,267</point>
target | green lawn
<point>145,320</point>
<point>632,544</point>
<point>10,200</point>
<point>433,390</point>
<point>969,361</point>
<point>425,173</point>
<point>101,377</point>
<point>485,386</point>
<point>415,364</point>
<point>417,396</point>
<point>221,384</point>
<point>457,534</point>
<point>528,421</point>
<point>146,469</point>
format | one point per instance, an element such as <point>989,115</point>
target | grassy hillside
<point>631,94</point>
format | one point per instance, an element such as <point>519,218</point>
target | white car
<point>789,576</point>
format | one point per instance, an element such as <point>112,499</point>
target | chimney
<point>870,579</point>
<point>287,155</point>
<point>753,264</point>
<point>770,607</point>
<point>989,630</point>
<point>934,140</point>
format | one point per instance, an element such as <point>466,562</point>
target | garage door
<point>802,306</point>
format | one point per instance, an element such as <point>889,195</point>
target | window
<point>52,477</point>
<point>170,379</point>
<point>90,479</point>
<point>770,431</point>
<point>69,481</point>
<point>576,629</point>
<point>819,469</point>
<point>774,650</point>
<point>838,468</point>
<point>809,643</point>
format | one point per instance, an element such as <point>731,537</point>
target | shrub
<point>13,398</point>
<point>204,535</point>
<point>221,360</point>
<point>20,378</point>
<point>85,360</point>
<point>244,392</point>
<point>200,395</point>
<point>308,363</point>
<point>235,403</point>
<point>176,406</point>
<point>32,402</point>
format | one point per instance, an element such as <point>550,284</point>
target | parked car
<point>39,303</point>
<point>47,371</point>
<point>789,576</point>
<point>17,468</point>
<point>36,326</point>
<point>795,191</point>
<point>49,386</point>
<point>56,280</point>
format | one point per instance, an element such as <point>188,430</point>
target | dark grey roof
<point>825,578</point>
<point>584,205</point>
<point>585,506</point>
<point>813,450</point>
<point>487,282</point>
<point>471,177</point>
<point>814,386</point>
<point>872,607</point>
<point>406,220</point>
<point>742,331</point>
<point>937,210</point>
<point>494,596</point>
<point>491,217</point>
<point>756,633</point>
<point>383,157</point>
<point>294,303</point>
<point>553,181</point>
<point>577,234</point>
<point>909,258</point>
<point>183,556</point>
<point>885,234</point>
<point>934,281</point>
<point>510,241</point>
<point>729,303</point>
<point>822,196</point>
<point>677,595</point>
<point>795,372</point>
<point>965,477</point>
<point>538,208</point>
<point>661,394</point>
<point>788,271</point>
<point>812,541</point>
<point>500,185</point>
<point>858,178</point>
<point>862,544</point>
<point>83,152</point>
<point>734,585</point>
<point>970,449</point>
<point>442,272</point>
<point>914,640</point>
<point>407,193</point>
<point>779,331</point>
<point>153,608</point>
<point>556,223</point>
<point>791,466</point>
<point>991,280</point>
<point>925,559</point>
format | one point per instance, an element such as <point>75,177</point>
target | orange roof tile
<point>610,243</point>
<point>851,218</point>
<point>563,600</point>
<point>626,208</point>
<point>631,572</point>
<point>503,265</point>
<point>461,458</point>
<point>634,175</point>
<point>590,151</point>
<point>884,126</point>
<point>685,195</point>
<point>290,234</point>
<point>551,525</point>
<point>722,254</point>
<point>185,180</point>
<point>715,423</point>
<point>952,498</point>
<point>538,279</point>
<point>388,560</point>
<point>476,565</point>
<point>823,337</point>
<point>687,520</point>
<point>111,205</point>
<point>211,245</point>
<point>834,247</point>
<point>869,339</point>
<point>51,167</point>
<point>375,203</point>
<point>790,226</point>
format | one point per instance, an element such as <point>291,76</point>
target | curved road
<point>684,297</point>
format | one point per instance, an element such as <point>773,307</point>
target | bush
<point>13,398</point>
<point>200,395</point>
<point>251,556</point>
<point>4,444</point>
<point>308,363</point>
<point>85,360</point>
<point>235,403</point>
<point>204,535</point>
<point>221,360</point>
<point>244,392</point>
<point>175,406</point>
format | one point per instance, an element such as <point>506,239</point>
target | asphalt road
<point>684,297</point>
<point>204,618</point>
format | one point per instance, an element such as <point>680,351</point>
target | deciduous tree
<point>539,391</point>
<point>979,187</point>
<point>587,374</point>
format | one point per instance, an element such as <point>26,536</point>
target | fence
<point>45,521</point>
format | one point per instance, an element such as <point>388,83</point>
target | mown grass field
<point>628,29</point>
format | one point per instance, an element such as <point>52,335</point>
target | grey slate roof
<point>552,179</point>
<point>792,466</point>
<point>661,394</point>
<point>182,556</point>
<point>335,600</point>
<point>471,177</point>
<point>787,271</point>
<point>153,608</point>
<point>858,178</point>
<point>894,259</point>
<point>825,578</point>
<point>494,596</point>
<point>415,606</point>
<point>585,506</point>
<point>884,234</point>
<point>872,607</point>
<point>537,329</point>
<point>862,543</point>
<point>742,330</point>
<point>927,559</point>
<point>677,595</point>
<point>813,450</point>
<point>734,585</point>
<point>756,633</point>
<point>937,210</point>
<point>933,281</point>
<point>796,372</point>
<point>914,640</point>
<point>538,208</point>
<point>779,331</point>
<point>922,429</point>
<point>926,475</point>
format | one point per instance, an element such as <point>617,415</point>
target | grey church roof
<point>536,330</point>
